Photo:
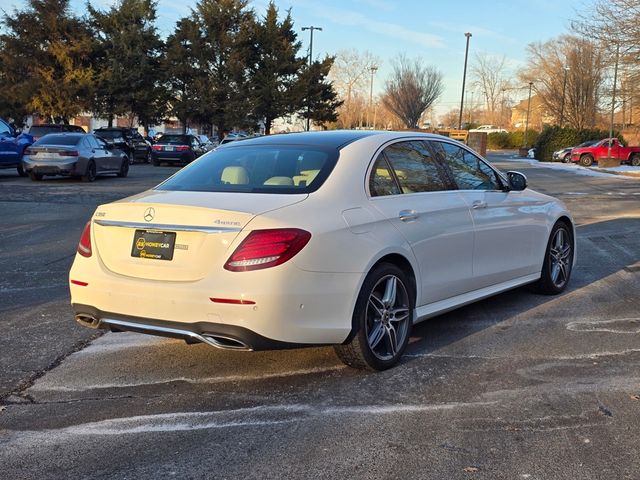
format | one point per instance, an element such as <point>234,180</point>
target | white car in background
<point>488,129</point>
<point>345,238</point>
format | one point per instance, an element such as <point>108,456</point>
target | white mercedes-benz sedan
<point>345,238</point>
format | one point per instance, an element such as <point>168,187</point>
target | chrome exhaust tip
<point>87,320</point>
<point>224,343</point>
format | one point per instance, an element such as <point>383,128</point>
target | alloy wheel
<point>560,258</point>
<point>387,317</point>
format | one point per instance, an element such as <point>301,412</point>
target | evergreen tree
<point>318,100</point>
<point>187,84</point>
<point>275,68</point>
<point>45,61</point>
<point>127,56</point>
<point>226,29</point>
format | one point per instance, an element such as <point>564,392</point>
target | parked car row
<point>590,152</point>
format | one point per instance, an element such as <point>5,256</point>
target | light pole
<point>311,29</point>
<point>564,88</point>
<point>526,127</point>
<point>613,98</point>
<point>464,78</point>
<point>373,69</point>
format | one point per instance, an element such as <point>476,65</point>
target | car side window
<point>381,181</point>
<point>469,171</point>
<point>91,140</point>
<point>5,129</point>
<point>415,167</point>
<point>101,143</point>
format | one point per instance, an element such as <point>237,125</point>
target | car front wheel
<point>586,160</point>
<point>124,168</point>
<point>383,318</point>
<point>21,171</point>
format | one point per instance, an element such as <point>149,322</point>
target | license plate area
<point>168,148</point>
<point>153,244</point>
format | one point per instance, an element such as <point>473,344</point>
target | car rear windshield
<point>175,140</point>
<point>40,131</point>
<point>54,139</point>
<point>109,134</point>
<point>256,169</point>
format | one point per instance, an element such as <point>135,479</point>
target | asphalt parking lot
<point>519,386</point>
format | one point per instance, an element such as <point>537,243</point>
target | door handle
<point>479,204</point>
<point>407,215</point>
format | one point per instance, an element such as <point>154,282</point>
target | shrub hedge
<point>556,138</point>
<point>500,140</point>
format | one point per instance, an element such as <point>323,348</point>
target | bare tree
<point>489,77</point>
<point>412,88</point>
<point>585,74</point>
<point>350,76</point>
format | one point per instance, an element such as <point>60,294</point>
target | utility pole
<point>613,98</point>
<point>526,128</point>
<point>311,29</point>
<point>564,88</point>
<point>373,69</point>
<point>464,78</point>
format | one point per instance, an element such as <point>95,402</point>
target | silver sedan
<point>74,154</point>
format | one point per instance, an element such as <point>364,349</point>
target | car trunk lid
<point>194,229</point>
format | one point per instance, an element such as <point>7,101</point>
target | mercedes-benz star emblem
<point>149,213</point>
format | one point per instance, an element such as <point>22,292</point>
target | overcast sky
<point>433,30</point>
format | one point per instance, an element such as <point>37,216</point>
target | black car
<point>128,140</point>
<point>39,131</point>
<point>176,149</point>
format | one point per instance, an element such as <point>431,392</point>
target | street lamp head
<point>468,34</point>
<point>373,68</point>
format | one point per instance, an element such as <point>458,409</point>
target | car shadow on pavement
<point>607,268</point>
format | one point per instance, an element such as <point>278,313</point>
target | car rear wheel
<point>558,261</point>
<point>36,177</point>
<point>156,162</point>
<point>148,158</point>
<point>124,168</point>
<point>586,160</point>
<point>635,160</point>
<point>90,174</point>
<point>21,171</point>
<point>383,318</point>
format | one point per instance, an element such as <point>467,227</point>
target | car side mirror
<point>517,180</point>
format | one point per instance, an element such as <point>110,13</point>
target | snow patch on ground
<point>580,170</point>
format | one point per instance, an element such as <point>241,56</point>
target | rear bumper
<point>172,156</point>
<point>50,168</point>
<point>291,307</point>
<point>226,337</point>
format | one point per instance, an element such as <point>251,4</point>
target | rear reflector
<point>233,301</point>
<point>182,148</point>
<point>78,282</point>
<point>157,148</point>
<point>84,246</point>
<point>267,248</point>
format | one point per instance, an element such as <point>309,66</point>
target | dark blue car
<point>12,147</point>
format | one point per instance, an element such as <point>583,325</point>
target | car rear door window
<point>468,170</point>
<point>381,179</point>
<point>415,167</point>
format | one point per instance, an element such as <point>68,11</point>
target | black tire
<point>551,283</point>
<point>393,333</point>
<point>124,168</point>
<point>148,157</point>
<point>586,160</point>
<point>132,157</point>
<point>21,171</point>
<point>567,158</point>
<point>36,177</point>
<point>635,160</point>
<point>90,174</point>
<point>155,162</point>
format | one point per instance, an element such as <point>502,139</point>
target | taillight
<point>267,248</point>
<point>84,246</point>
<point>182,148</point>
<point>69,153</point>
<point>157,148</point>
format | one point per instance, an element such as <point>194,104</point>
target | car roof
<point>333,138</point>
